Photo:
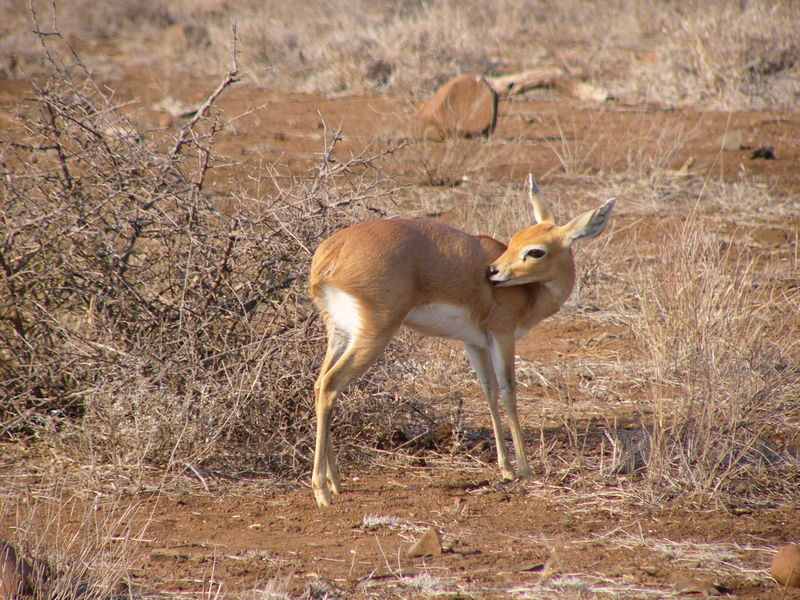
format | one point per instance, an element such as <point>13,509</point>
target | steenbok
<point>373,277</point>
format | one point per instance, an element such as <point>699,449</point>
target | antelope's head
<point>539,252</point>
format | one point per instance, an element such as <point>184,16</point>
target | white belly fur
<point>445,320</point>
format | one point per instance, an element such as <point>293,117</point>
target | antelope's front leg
<point>482,363</point>
<point>501,350</point>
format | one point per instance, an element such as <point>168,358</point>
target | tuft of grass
<point>575,151</point>
<point>83,543</point>
<point>372,522</point>
<point>424,584</point>
<point>720,349</point>
<point>277,588</point>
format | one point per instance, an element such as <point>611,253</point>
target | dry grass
<point>82,543</point>
<point>721,56</point>
<point>721,350</point>
<point>716,54</point>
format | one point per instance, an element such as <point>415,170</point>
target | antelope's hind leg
<point>324,454</point>
<point>348,356</point>
<point>332,474</point>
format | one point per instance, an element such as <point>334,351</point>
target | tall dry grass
<point>80,543</point>
<point>724,55</point>
<point>722,345</point>
<point>718,54</point>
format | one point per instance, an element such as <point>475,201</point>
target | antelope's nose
<point>492,271</point>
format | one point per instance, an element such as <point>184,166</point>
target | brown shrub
<point>141,321</point>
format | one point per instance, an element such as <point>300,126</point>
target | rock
<point>770,236</point>
<point>764,152</point>
<point>786,566</point>
<point>689,585</point>
<point>465,106</point>
<point>685,584</point>
<point>430,544</point>
<point>16,574</point>
<point>731,140</point>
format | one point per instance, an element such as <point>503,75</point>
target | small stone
<point>15,573</point>
<point>430,544</point>
<point>786,566</point>
<point>731,140</point>
<point>689,585</point>
<point>765,152</point>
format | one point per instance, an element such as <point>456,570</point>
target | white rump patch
<point>343,311</point>
<point>445,320</point>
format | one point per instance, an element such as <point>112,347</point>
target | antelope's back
<point>405,262</point>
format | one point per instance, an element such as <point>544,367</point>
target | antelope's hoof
<point>508,474</point>
<point>323,497</point>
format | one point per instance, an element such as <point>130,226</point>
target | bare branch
<point>229,79</point>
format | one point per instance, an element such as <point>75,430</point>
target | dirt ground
<point>538,538</point>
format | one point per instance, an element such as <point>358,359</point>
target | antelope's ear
<point>589,224</point>
<point>541,210</point>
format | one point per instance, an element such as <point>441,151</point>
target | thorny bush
<point>141,322</point>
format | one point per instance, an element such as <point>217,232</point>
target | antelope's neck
<point>548,297</point>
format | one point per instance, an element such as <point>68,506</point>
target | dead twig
<point>230,78</point>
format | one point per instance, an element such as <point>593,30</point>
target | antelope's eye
<point>535,253</point>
